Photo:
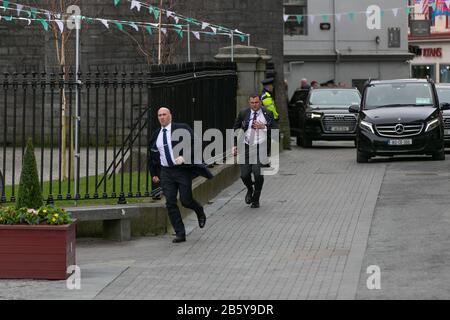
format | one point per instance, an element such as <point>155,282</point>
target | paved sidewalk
<point>306,242</point>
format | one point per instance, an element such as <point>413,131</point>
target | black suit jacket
<point>155,157</point>
<point>244,118</point>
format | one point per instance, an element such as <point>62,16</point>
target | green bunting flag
<point>119,25</point>
<point>149,30</point>
<point>325,18</point>
<point>33,13</point>
<point>116,3</point>
<point>180,33</point>
<point>351,16</point>
<point>156,13</point>
<point>382,13</point>
<point>88,20</point>
<point>9,19</point>
<point>242,38</point>
<point>5,4</point>
<point>299,19</point>
<point>44,24</point>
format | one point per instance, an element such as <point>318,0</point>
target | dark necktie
<point>253,132</point>
<point>167,150</point>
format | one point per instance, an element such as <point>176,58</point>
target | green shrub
<point>30,194</point>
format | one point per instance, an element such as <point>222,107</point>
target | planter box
<point>37,252</point>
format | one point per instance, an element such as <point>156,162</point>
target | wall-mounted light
<point>378,40</point>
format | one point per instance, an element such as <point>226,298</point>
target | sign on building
<point>420,28</point>
<point>394,40</point>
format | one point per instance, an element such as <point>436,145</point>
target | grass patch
<point>91,183</point>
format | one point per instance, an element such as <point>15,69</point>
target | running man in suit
<point>175,174</point>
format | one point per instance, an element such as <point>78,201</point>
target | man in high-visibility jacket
<point>267,98</point>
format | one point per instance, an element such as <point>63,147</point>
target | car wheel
<point>306,142</point>
<point>362,157</point>
<point>440,156</point>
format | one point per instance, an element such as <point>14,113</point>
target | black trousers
<point>174,180</point>
<point>253,167</point>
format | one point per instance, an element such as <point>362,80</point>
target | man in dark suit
<point>176,173</point>
<point>257,123</point>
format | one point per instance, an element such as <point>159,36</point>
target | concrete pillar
<point>251,69</point>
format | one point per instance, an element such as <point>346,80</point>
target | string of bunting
<point>440,7</point>
<point>156,12</point>
<point>33,14</point>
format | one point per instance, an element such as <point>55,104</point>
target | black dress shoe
<point>179,239</point>
<point>201,219</point>
<point>255,205</point>
<point>249,196</point>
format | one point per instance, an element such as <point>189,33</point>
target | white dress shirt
<point>260,135</point>
<point>160,145</point>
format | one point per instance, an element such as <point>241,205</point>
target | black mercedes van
<point>400,117</point>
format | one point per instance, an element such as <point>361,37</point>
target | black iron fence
<point>117,115</point>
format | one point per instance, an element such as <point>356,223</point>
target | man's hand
<point>156,180</point>
<point>258,125</point>
<point>179,161</point>
<point>235,151</point>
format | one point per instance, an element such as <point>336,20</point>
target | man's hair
<point>253,96</point>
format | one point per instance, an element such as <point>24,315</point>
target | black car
<point>400,117</point>
<point>443,91</point>
<point>325,116</point>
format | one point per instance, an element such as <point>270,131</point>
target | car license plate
<point>402,142</point>
<point>340,129</point>
<point>447,132</point>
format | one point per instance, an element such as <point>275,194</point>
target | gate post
<point>251,70</point>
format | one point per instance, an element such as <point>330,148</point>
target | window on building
<point>422,71</point>
<point>444,71</point>
<point>294,8</point>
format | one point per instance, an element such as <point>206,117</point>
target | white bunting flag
<point>49,17</point>
<point>312,18</point>
<point>196,34</point>
<point>60,25</point>
<point>164,30</point>
<point>204,25</point>
<point>169,13</point>
<point>338,17</point>
<point>135,4</point>
<point>105,23</point>
<point>395,11</point>
<point>285,17</point>
<point>176,19</point>
<point>213,29</point>
<point>19,9</point>
<point>29,21</point>
<point>447,3</point>
<point>134,26</point>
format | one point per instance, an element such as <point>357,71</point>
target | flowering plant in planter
<point>45,215</point>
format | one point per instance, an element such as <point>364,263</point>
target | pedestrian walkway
<point>306,242</point>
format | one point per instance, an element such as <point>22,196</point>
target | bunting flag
<point>135,4</point>
<point>60,25</point>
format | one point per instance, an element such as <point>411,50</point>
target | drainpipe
<point>338,53</point>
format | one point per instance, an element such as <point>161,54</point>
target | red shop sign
<point>432,52</point>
